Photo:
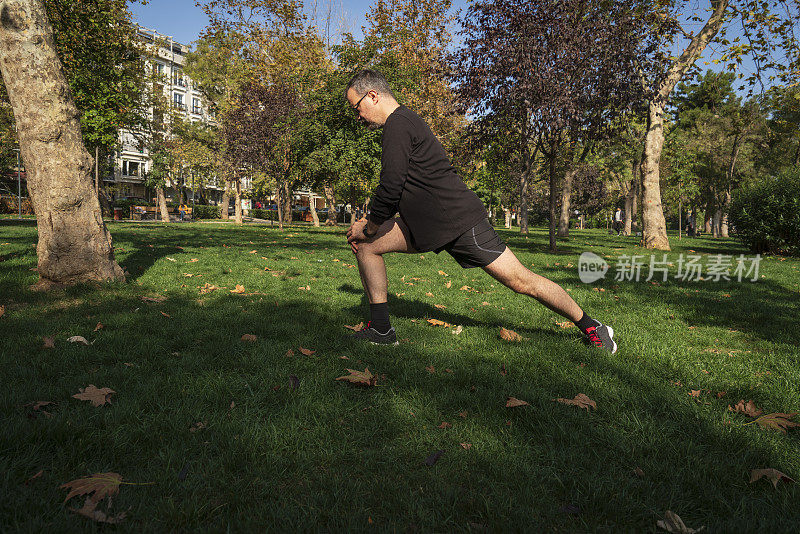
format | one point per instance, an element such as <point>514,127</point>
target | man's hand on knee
<point>361,230</point>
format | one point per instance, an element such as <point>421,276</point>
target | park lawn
<point>217,435</point>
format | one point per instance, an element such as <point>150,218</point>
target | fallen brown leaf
<point>440,306</point>
<point>776,421</point>
<point>695,393</point>
<point>430,369</point>
<point>168,316</point>
<point>429,294</point>
<point>307,352</point>
<point>193,260</point>
<point>200,425</point>
<point>97,396</point>
<point>773,475</point>
<point>566,324</point>
<point>34,477</point>
<point>78,339</point>
<point>442,273</point>
<point>458,330</point>
<point>208,288</point>
<point>364,378</point>
<point>748,408</point>
<point>290,353</point>
<point>673,524</point>
<point>49,342</point>
<point>580,400</point>
<point>448,284</point>
<point>466,446</point>
<point>509,335</point>
<point>98,327</point>
<point>437,322</point>
<point>638,472</point>
<point>503,370</point>
<point>2,310</point>
<point>513,402</point>
<point>239,289</point>
<point>89,509</point>
<point>355,327</point>
<point>466,288</point>
<point>445,424</point>
<point>249,337</point>
<point>101,484</point>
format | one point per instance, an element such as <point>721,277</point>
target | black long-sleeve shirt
<point>419,182</point>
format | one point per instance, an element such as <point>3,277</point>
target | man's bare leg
<point>392,236</point>
<point>508,270</point>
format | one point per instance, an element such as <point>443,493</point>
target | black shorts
<point>477,247</point>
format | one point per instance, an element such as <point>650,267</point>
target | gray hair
<point>369,80</point>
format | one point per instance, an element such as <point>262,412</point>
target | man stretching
<point>438,212</point>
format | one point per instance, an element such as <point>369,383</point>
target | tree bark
<point>238,205</point>
<point>566,196</point>
<point>708,214</point>
<point>331,202</point>
<point>279,206</point>
<point>287,201</point>
<point>553,193</point>
<point>226,199</point>
<point>162,203</point>
<point>654,230</point>
<point>507,214</point>
<point>522,212</point>
<point>313,208</point>
<point>74,244</point>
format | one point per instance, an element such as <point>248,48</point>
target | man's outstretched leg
<point>508,270</point>
<point>392,236</point>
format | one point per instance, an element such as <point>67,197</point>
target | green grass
<point>331,456</point>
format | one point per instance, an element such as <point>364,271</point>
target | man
<point>437,213</point>
<point>618,221</point>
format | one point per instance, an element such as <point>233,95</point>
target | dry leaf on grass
<point>466,288</point>
<point>673,524</point>
<point>208,288</point>
<point>304,288</point>
<point>90,510</point>
<point>776,421</point>
<point>437,322</point>
<point>580,400</point>
<point>2,310</point>
<point>747,408</point>
<point>429,294</point>
<point>773,475</point>
<point>49,342</point>
<point>445,424</point>
<point>200,425</point>
<point>239,289</point>
<point>513,402</point>
<point>34,477</point>
<point>249,337</point>
<point>466,446</point>
<point>442,273</point>
<point>289,353</point>
<point>78,339</point>
<point>509,335</point>
<point>37,407</point>
<point>566,324</point>
<point>97,396</point>
<point>363,378</point>
<point>101,484</point>
<point>355,327</point>
<point>307,352</point>
<point>431,369</point>
<point>448,284</point>
<point>458,330</point>
<point>168,316</point>
<point>440,306</point>
<point>193,260</point>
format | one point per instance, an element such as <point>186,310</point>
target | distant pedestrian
<point>618,221</point>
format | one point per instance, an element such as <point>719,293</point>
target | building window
<point>160,69</point>
<point>177,101</point>
<point>130,168</point>
<point>179,79</point>
<point>196,106</point>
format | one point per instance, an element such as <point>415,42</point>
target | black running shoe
<point>602,336</point>
<point>376,338</point>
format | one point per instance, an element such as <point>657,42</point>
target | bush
<point>205,212</point>
<point>766,215</point>
<point>263,214</point>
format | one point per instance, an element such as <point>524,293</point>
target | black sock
<point>586,322</point>
<point>379,317</point>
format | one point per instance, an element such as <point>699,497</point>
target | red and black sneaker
<point>376,338</point>
<point>602,336</point>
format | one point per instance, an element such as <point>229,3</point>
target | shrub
<point>205,212</point>
<point>766,215</point>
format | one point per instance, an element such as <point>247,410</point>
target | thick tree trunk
<point>654,230</point>
<point>654,234</point>
<point>286,195</point>
<point>238,205</point>
<point>162,204</point>
<point>331,202</point>
<point>507,216</point>
<point>632,195</point>
<point>726,206</point>
<point>553,199</point>
<point>566,196</point>
<point>313,208</point>
<point>226,199</point>
<point>708,215</point>
<point>279,206</point>
<point>74,244</point>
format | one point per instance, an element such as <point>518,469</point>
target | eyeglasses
<point>355,108</point>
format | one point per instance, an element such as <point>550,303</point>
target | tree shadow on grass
<point>325,454</point>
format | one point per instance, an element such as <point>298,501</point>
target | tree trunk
<point>287,201</point>
<point>74,244</point>
<point>522,213</point>
<point>654,234</point>
<point>507,214</point>
<point>313,208</point>
<point>655,231</point>
<point>226,199</point>
<point>726,206</point>
<point>566,195</point>
<point>553,193</point>
<point>630,198</point>
<point>279,206</point>
<point>162,204</point>
<point>708,214</point>
<point>238,205</point>
<point>331,202</point>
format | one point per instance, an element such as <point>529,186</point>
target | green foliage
<point>766,214</point>
<point>205,212</point>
